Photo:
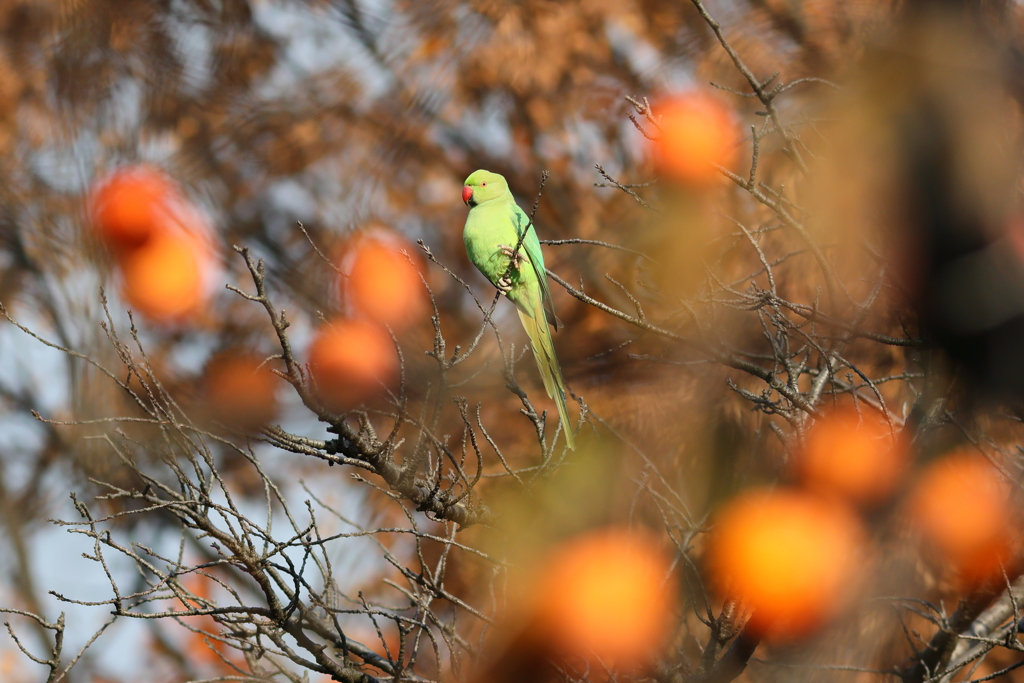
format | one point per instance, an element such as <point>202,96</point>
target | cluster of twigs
<point>256,583</point>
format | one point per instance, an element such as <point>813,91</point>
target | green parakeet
<point>493,228</point>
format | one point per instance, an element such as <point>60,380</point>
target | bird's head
<point>482,186</point>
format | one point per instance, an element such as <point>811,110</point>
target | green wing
<point>531,244</point>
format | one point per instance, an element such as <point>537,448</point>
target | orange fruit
<point>961,506</point>
<point>240,391</point>
<point>608,594</point>
<point>130,206</point>
<point>165,279</point>
<point>789,557</point>
<point>856,459</point>
<point>696,133</point>
<point>381,283</point>
<point>349,360</point>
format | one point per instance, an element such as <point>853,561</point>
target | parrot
<point>493,230</point>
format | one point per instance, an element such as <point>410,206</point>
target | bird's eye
<point>484,184</point>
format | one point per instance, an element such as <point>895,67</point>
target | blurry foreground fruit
<point>853,457</point>
<point>130,206</point>
<point>166,278</point>
<point>608,594</point>
<point>239,391</point>
<point>696,133</point>
<point>349,360</point>
<point>961,506</point>
<point>788,557</point>
<point>381,283</point>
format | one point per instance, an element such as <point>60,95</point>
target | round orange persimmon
<point>696,133</point>
<point>851,456</point>
<point>130,206</point>
<point>607,595</point>
<point>165,279</point>
<point>350,359</point>
<point>961,506</point>
<point>788,556</point>
<point>380,282</point>
<point>240,390</point>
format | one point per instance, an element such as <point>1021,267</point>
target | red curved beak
<point>467,193</point>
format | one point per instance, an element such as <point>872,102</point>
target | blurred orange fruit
<point>381,283</point>
<point>696,133</point>
<point>240,391</point>
<point>855,458</point>
<point>608,594</point>
<point>201,649</point>
<point>130,206</point>
<point>165,279</point>
<point>789,557</point>
<point>961,506</point>
<point>349,360</point>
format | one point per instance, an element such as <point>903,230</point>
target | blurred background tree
<point>776,322</point>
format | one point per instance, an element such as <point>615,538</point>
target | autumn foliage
<point>793,322</point>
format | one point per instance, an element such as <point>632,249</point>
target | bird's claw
<point>504,285</point>
<point>509,251</point>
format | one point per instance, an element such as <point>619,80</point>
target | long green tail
<point>544,352</point>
